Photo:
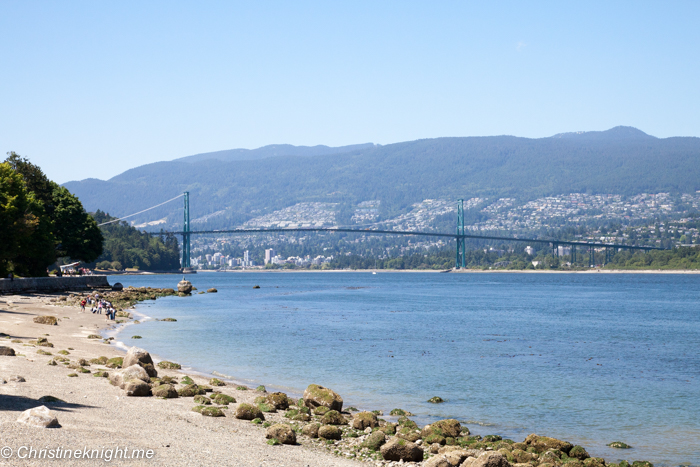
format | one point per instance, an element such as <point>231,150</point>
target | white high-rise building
<point>269,254</point>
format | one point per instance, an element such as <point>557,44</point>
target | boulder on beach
<point>166,391</point>
<point>17,379</point>
<point>397,449</point>
<point>329,432</point>
<point>137,356</point>
<point>50,320</point>
<point>438,431</point>
<point>117,287</point>
<point>137,388</point>
<point>281,432</point>
<point>248,412</point>
<point>364,420</point>
<point>451,458</point>
<point>543,443</point>
<point>487,459</point>
<point>311,430</point>
<point>7,351</point>
<point>213,290</point>
<point>316,395</point>
<point>119,378</point>
<point>278,400</point>
<point>579,453</point>
<point>40,417</point>
<point>333,417</point>
<point>374,441</point>
<point>191,390</point>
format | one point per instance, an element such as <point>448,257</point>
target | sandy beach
<point>97,415</point>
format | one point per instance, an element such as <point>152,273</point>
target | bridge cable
<point>131,215</point>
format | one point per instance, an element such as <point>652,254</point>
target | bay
<point>590,358</point>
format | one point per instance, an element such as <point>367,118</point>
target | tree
<point>72,231</point>
<point>25,236</point>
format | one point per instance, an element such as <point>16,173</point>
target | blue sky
<point>90,89</point>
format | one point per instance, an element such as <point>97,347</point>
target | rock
<point>150,369</point>
<point>166,391</point>
<point>216,382</point>
<point>579,453</point>
<point>311,430</point>
<point>600,462</point>
<point>212,412</point>
<point>202,400</point>
<point>50,320</point>
<point>248,412</point>
<point>17,379</point>
<point>619,445</point>
<point>94,336</point>
<point>408,432</point>
<point>119,378</point>
<point>389,429</point>
<point>213,290</point>
<point>316,395</point>
<point>169,320</point>
<point>374,441</point>
<point>281,432</point>
<point>364,420</point>
<point>223,399</point>
<point>487,459</point>
<point>441,429</point>
<point>184,286</point>
<point>278,400</point>
<point>40,417</point>
<point>333,417</point>
<point>523,457</point>
<point>166,365</point>
<point>136,356</point>
<point>137,388</point>
<point>543,443</point>
<point>117,287</point>
<point>329,432</point>
<point>256,286</point>
<point>116,362</point>
<point>397,449</point>
<point>436,400</point>
<point>438,461</point>
<point>191,390</point>
<point>7,351</point>
<point>321,410</point>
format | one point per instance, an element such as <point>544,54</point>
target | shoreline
<point>457,271</point>
<point>312,452</point>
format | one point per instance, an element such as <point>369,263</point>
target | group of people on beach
<point>98,305</point>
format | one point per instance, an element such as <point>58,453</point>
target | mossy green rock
<point>65,352</point>
<point>594,462</point>
<point>619,445</point>
<point>278,400</point>
<point>642,464</point>
<point>389,429</point>
<point>311,430</point>
<point>578,452</point>
<point>266,407</point>
<point>187,380</point>
<point>333,417</point>
<point>212,412</point>
<point>202,400</point>
<point>50,320</point>
<point>364,420</point>
<point>248,412</point>
<point>101,374</point>
<point>115,362</point>
<point>190,390</point>
<point>261,388</point>
<point>543,443</point>
<point>216,382</point>
<point>321,410</point>
<point>436,400</point>
<point>223,399</point>
<point>397,449</point>
<point>166,391</point>
<point>329,432</point>
<point>166,365</point>
<point>374,441</point>
<point>446,428</point>
<point>282,432</point>
<point>316,395</point>
<point>408,433</point>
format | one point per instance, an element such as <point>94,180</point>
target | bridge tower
<point>186,233</point>
<point>461,241</point>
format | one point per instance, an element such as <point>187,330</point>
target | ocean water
<point>590,358</point>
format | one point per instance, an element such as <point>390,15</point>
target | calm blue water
<point>587,358</point>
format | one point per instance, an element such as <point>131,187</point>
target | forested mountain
<point>622,160</point>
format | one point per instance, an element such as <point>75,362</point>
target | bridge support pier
<point>186,234</point>
<point>461,241</point>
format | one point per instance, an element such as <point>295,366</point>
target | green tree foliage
<point>25,237</point>
<point>126,247</point>
<point>64,228</point>
<point>677,258</point>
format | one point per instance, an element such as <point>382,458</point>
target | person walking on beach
<point>83,302</point>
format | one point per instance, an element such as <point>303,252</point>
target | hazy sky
<point>90,89</point>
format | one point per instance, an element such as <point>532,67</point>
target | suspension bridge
<point>460,236</point>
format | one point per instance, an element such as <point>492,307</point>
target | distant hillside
<point>273,150</point>
<point>622,160</point>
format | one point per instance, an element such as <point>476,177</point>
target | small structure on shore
<point>184,286</point>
